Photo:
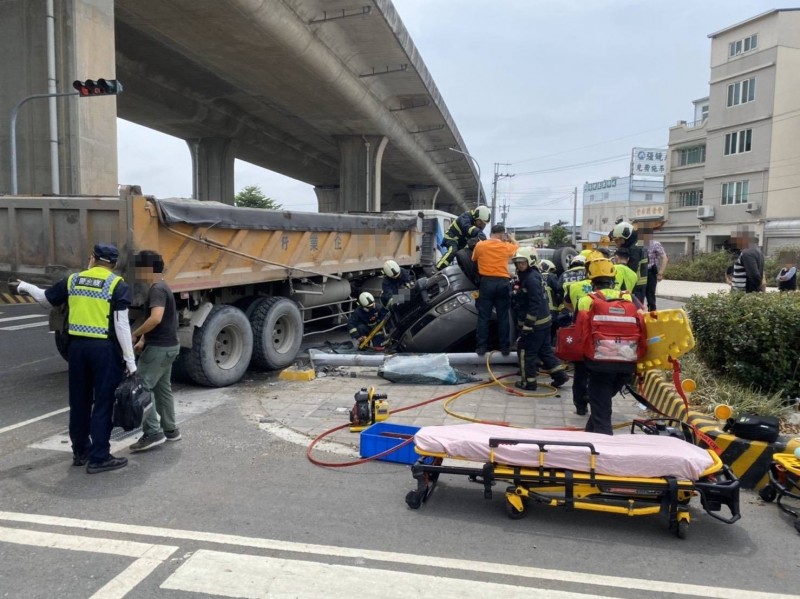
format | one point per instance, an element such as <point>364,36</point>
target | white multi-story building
<point>737,166</point>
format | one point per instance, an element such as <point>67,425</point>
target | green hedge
<point>710,267</point>
<point>753,338</point>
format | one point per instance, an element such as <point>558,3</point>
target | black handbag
<point>131,400</point>
<point>754,427</point>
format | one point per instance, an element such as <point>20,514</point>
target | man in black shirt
<point>157,340</point>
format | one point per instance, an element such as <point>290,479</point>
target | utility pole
<point>498,175</point>
<point>504,210</point>
<point>574,217</point>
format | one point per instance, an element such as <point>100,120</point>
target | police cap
<point>106,252</point>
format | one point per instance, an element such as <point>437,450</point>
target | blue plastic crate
<point>379,438</point>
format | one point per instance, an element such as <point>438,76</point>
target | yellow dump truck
<point>246,281</point>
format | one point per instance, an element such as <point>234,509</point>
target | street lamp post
<point>477,166</point>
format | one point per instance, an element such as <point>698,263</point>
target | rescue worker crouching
<point>625,236</point>
<point>99,344</point>
<point>365,318</point>
<point>468,225</point>
<point>396,283</point>
<point>533,319</point>
<point>605,380</point>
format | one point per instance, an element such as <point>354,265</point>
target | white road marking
<point>23,317</point>
<point>148,556</point>
<point>256,577</point>
<point>19,327</point>
<point>11,427</point>
<point>291,436</point>
<point>676,588</point>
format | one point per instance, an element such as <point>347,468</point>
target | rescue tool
<point>369,408</point>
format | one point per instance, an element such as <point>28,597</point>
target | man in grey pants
<point>157,340</point>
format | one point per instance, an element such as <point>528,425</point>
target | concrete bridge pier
<point>422,197</point>
<point>212,168</point>
<point>327,198</point>
<point>360,172</point>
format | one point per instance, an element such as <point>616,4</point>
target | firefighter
<point>395,280</point>
<point>365,318</point>
<point>468,225</point>
<point>605,379</point>
<point>98,303</point>
<point>625,236</point>
<point>555,294</point>
<point>533,320</point>
<point>574,274</point>
<point>625,277</point>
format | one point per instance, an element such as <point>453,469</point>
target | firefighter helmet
<point>622,230</point>
<point>366,299</point>
<point>526,254</point>
<point>601,268</point>
<point>482,213</point>
<point>578,260</point>
<point>391,269</point>
<point>547,266</point>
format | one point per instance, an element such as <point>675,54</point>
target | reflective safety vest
<point>638,263</point>
<point>89,300</point>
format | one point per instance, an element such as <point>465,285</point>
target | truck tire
<point>277,333</point>
<point>179,372</point>
<point>562,257</point>
<point>221,348</point>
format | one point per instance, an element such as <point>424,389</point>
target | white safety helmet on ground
<point>526,254</point>
<point>547,266</point>
<point>391,269</point>
<point>366,299</point>
<point>482,213</point>
<point>622,230</point>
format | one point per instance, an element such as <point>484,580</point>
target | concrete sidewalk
<point>683,290</point>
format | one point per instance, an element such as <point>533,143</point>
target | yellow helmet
<point>602,267</point>
<point>595,255</point>
<point>586,253</point>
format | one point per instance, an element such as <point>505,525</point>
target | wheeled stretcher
<point>784,481</point>
<point>635,475</point>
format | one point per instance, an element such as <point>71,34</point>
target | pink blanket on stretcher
<point>645,456</point>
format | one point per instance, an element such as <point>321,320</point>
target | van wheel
<point>221,348</point>
<point>562,258</point>
<point>277,333</point>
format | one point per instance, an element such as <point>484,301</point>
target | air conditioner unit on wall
<point>705,212</point>
<point>752,207</point>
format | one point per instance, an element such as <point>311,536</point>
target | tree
<point>559,236</point>
<point>252,197</point>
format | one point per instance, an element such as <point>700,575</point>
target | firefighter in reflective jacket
<point>533,321</point>
<point>365,318</point>
<point>605,379</point>
<point>98,303</point>
<point>465,227</point>
<point>395,280</point>
<point>555,294</point>
<point>625,236</point>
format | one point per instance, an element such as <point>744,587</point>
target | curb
<point>8,298</point>
<point>749,460</point>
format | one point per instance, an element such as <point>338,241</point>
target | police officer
<point>365,318</point>
<point>605,378</point>
<point>395,279</point>
<point>625,236</point>
<point>98,329</point>
<point>468,225</point>
<point>533,319</point>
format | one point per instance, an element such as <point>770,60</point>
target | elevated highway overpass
<point>328,92</point>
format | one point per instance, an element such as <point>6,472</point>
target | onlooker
<point>156,339</point>
<point>98,302</point>
<point>733,255</point>
<point>787,277</point>
<point>492,256</point>
<point>465,227</point>
<point>748,270</point>
<point>657,260</point>
<point>396,280</point>
<point>365,318</point>
<point>533,320</point>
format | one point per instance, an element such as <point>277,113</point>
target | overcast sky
<point>560,89</point>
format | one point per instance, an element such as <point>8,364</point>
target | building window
<point>738,47</point>
<point>704,112</point>
<point>742,92</point>
<point>696,155</point>
<point>648,197</point>
<point>591,221</point>
<point>591,198</point>
<point>738,142</point>
<point>735,192</point>
<point>605,195</point>
<point>689,198</point>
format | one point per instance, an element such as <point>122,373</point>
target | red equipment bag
<point>569,345</point>
<point>615,330</point>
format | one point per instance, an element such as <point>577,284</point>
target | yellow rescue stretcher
<point>784,481</point>
<point>577,488</point>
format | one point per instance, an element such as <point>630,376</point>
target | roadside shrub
<point>709,268</point>
<point>750,337</point>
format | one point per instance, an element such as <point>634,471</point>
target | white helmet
<point>391,269</point>
<point>527,254</point>
<point>482,213</point>
<point>547,266</point>
<point>578,260</point>
<point>622,229</point>
<point>366,299</point>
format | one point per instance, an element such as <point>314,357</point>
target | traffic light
<point>101,87</point>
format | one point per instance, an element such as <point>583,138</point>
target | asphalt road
<point>233,510</point>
